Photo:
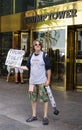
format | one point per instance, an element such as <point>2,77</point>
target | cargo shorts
<point>39,91</point>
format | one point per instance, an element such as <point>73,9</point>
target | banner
<point>14,57</point>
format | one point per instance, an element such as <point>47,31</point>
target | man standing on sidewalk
<point>40,74</point>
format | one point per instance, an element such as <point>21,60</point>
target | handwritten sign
<point>14,57</point>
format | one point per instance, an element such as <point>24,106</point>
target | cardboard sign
<point>14,57</point>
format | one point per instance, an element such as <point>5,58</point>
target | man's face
<point>37,46</point>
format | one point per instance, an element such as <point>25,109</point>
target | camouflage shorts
<point>39,92</point>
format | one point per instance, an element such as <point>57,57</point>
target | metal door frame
<point>77,87</point>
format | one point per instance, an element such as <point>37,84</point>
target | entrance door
<point>54,44</point>
<point>74,59</point>
<point>78,59</point>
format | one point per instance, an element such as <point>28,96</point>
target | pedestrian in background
<point>19,74</point>
<point>10,71</point>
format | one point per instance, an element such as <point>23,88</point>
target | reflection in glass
<point>24,5</point>
<point>16,6</point>
<point>79,57</point>
<point>5,45</point>
<point>5,7</point>
<point>79,46</point>
<point>44,3</point>
<point>79,73</point>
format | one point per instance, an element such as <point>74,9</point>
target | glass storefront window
<point>54,44</point>
<point>5,7</point>
<point>79,59</point>
<point>74,55</point>
<point>79,74</point>
<point>43,3</point>
<point>79,46</point>
<point>16,6</point>
<point>5,45</point>
<point>24,5</point>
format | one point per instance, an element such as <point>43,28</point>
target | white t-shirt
<point>37,71</point>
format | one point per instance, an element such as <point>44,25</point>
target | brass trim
<point>78,60</point>
<point>12,23</point>
<point>77,87</point>
<point>58,88</point>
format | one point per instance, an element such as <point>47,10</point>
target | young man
<point>40,74</point>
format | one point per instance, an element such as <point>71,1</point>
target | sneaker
<point>30,119</point>
<point>45,121</point>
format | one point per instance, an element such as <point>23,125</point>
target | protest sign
<point>14,57</point>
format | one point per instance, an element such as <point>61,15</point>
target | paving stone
<point>15,108</point>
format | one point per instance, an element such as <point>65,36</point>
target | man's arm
<point>24,67</point>
<point>47,83</point>
<point>49,75</point>
<point>21,67</point>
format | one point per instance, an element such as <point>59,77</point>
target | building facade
<point>58,25</point>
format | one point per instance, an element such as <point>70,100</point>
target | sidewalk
<point>15,108</point>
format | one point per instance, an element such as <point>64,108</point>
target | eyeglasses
<point>38,44</point>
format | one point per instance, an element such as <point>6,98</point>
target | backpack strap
<point>46,60</point>
<point>28,61</point>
